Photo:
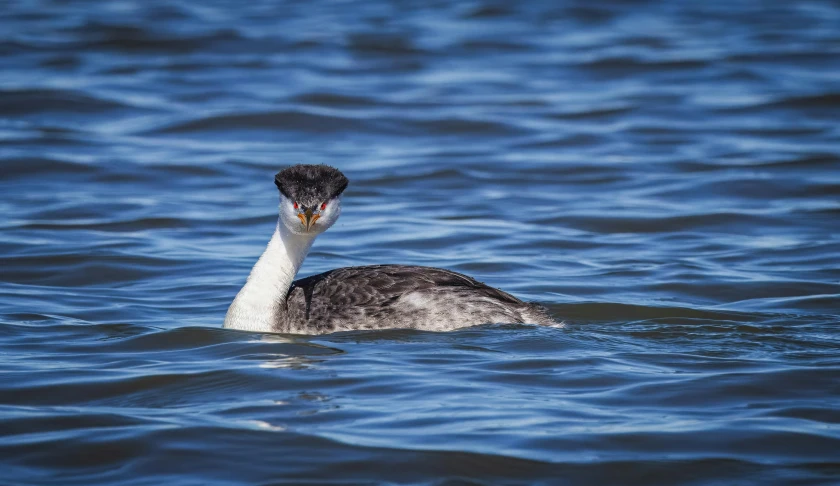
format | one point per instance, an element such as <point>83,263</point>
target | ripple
<point>637,225</point>
<point>335,100</point>
<point>633,65</point>
<point>629,312</point>
<point>822,101</point>
<point>132,38</point>
<point>663,180</point>
<point>31,101</point>
<point>382,43</point>
<point>297,121</point>
<point>37,166</point>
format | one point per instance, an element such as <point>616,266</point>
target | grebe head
<point>310,197</point>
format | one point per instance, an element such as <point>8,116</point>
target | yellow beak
<point>308,218</point>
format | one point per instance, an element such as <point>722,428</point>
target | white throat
<point>257,307</point>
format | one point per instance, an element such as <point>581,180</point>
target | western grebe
<point>368,297</point>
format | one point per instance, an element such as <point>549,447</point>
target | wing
<point>368,294</point>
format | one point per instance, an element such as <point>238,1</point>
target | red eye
<point>295,205</point>
<point>323,206</point>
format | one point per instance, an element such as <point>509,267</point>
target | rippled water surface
<point>664,177</point>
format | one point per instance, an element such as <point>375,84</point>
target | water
<point>663,177</point>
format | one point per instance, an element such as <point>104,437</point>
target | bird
<point>355,298</point>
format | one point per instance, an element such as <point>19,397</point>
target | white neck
<point>258,306</point>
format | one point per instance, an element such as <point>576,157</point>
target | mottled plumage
<point>398,296</point>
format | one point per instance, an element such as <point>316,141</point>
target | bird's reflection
<point>292,358</point>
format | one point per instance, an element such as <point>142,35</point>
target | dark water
<point>664,177</point>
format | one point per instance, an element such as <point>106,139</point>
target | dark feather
<point>310,185</point>
<point>380,296</point>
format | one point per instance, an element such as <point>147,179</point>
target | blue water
<point>663,176</point>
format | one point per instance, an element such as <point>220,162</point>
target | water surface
<point>664,178</point>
